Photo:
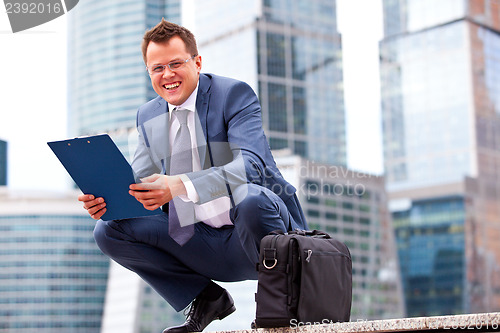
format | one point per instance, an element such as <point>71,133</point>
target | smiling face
<point>173,86</point>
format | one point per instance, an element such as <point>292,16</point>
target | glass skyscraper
<point>431,241</point>
<point>290,52</point>
<point>53,276</point>
<point>440,75</point>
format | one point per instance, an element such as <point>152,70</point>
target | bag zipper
<point>309,254</point>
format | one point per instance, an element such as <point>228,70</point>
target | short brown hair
<point>164,31</point>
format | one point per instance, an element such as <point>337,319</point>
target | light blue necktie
<point>181,161</point>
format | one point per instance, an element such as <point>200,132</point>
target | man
<point>227,182</point>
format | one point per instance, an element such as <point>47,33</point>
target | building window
<point>277,108</point>
<point>299,111</point>
<point>364,220</point>
<point>313,200</point>
<point>347,218</point>
<point>276,143</point>
<point>330,203</point>
<point>300,148</point>
<point>331,229</point>
<point>347,205</point>
<point>364,208</point>
<point>313,213</point>
<point>331,216</point>
<point>276,55</point>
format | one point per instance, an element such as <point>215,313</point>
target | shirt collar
<point>189,104</point>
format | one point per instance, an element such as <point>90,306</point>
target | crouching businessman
<point>203,158</point>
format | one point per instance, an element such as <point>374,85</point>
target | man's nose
<point>167,72</point>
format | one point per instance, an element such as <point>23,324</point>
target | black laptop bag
<point>303,277</point>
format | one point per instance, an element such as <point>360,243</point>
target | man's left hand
<point>156,190</point>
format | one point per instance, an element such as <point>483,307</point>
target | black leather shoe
<point>203,312</point>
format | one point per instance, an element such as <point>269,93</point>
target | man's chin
<point>169,99</point>
<point>173,100</point>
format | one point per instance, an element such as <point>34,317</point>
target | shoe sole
<point>226,313</point>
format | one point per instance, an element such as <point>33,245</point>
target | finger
<point>99,214</point>
<point>149,202</point>
<point>137,187</point>
<point>89,204</point>
<point>151,178</point>
<point>94,209</point>
<point>151,206</point>
<point>139,195</point>
<point>144,182</point>
<point>146,186</point>
<point>145,195</point>
<point>158,196</point>
<point>85,197</point>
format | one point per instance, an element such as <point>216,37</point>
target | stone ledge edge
<point>469,322</point>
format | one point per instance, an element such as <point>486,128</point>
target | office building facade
<point>441,123</point>
<point>290,52</point>
<point>53,276</point>
<point>3,163</point>
<point>431,242</point>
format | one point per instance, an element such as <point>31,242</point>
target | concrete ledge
<point>484,322</point>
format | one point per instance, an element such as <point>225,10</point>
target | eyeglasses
<point>173,66</point>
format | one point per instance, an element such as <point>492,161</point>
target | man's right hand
<point>96,207</point>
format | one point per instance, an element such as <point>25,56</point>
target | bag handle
<point>310,233</point>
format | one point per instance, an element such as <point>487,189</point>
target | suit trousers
<point>179,274</point>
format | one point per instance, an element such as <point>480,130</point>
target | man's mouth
<point>171,86</point>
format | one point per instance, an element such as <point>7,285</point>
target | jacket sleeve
<point>245,157</point>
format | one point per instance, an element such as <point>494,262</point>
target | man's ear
<point>198,63</point>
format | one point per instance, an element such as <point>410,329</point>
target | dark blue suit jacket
<point>233,152</point>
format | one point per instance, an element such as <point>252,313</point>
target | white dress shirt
<point>214,213</point>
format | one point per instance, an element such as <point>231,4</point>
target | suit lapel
<point>202,110</point>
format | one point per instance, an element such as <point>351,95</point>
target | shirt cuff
<point>191,195</point>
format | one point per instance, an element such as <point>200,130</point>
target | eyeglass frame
<point>181,65</point>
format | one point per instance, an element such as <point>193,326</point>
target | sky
<point>360,23</point>
<point>33,101</point>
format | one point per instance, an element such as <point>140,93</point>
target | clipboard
<point>98,167</point>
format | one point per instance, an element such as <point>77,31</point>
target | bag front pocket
<point>325,293</point>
